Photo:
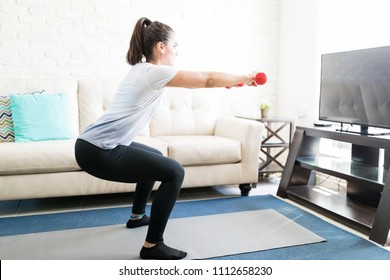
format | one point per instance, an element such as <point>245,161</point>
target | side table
<point>276,142</point>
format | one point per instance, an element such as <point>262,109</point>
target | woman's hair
<point>146,35</point>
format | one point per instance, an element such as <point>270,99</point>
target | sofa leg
<point>245,189</point>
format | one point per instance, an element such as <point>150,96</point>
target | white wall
<point>89,38</point>
<point>82,38</point>
<point>298,77</point>
<point>353,24</point>
<point>312,27</point>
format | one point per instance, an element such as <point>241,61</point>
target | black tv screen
<point>355,87</point>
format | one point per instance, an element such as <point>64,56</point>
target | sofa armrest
<point>248,132</point>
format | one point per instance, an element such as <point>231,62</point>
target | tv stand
<point>366,204</point>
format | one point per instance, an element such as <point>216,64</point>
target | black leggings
<point>139,164</point>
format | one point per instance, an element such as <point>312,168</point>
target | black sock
<point>144,221</point>
<point>161,252</point>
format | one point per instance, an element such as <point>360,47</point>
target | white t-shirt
<point>135,103</point>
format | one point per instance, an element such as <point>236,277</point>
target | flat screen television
<point>355,90</point>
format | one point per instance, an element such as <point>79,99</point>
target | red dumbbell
<point>259,79</point>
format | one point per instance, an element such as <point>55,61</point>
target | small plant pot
<point>264,113</point>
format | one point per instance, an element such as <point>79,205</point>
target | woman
<point>106,148</point>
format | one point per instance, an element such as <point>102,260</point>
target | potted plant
<point>264,109</point>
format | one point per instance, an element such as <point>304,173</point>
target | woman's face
<point>170,54</point>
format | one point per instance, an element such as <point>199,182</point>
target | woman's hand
<point>251,78</point>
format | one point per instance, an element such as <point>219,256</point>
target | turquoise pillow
<point>39,117</point>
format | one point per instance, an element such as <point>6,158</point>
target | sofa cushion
<point>37,157</point>
<point>202,149</point>
<point>186,112</point>
<point>51,156</point>
<point>39,117</point>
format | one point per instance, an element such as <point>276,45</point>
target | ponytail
<point>145,36</point>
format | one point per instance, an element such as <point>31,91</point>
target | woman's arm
<point>193,79</point>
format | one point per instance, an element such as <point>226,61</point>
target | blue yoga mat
<point>339,245</point>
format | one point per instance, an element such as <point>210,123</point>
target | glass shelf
<point>344,168</point>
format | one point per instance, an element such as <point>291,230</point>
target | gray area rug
<point>202,237</point>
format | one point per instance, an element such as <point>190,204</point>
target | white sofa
<point>214,149</point>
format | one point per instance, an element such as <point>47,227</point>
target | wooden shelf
<point>275,145</point>
<point>355,214</point>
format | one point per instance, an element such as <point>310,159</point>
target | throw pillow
<point>39,117</point>
<point>6,124</point>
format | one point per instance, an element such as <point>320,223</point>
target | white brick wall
<point>89,38</point>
